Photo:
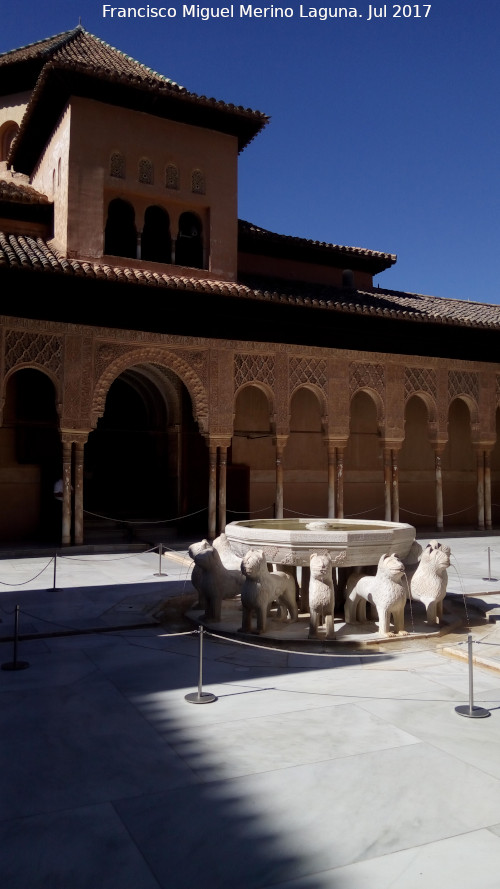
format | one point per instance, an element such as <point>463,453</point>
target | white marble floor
<point>306,773</point>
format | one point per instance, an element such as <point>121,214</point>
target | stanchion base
<point>490,579</point>
<point>474,713</point>
<point>15,665</point>
<point>205,698</point>
<point>160,574</point>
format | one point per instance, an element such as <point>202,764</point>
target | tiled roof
<point>79,48</point>
<point>33,254</point>
<point>17,193</point>
<point>262,235</point>
<point>80,63</point>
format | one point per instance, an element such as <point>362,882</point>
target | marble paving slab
<point>290,823</point>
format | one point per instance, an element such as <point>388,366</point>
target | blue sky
<point>384,133</point>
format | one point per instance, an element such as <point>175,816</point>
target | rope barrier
<point>4,583</point>
<point>251,511</point>
<point>244,642</point>
<point>144,522</point>
<point>428,515</point>
<point>90,560</point>
<point>357,655</point>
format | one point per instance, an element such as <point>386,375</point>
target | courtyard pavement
<point>309,771</point>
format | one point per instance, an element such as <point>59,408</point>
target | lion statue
<point>428,584</point>
<point>385,591</point>
<point>261,588</point>
<point>212,580</point>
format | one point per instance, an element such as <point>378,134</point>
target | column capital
<point>76,436</point>
<point>438,447</point>
<point>280,441</point>
<point>218,440</point>
<point>392,444</point>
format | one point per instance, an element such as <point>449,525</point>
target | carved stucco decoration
<point>158,356</point>
<point>462,382</point>
<point>41,349</point>
<point>252,368</point>
<point>199,361</point>
<point>420,379</point>
<point>367,376</point>
<point>498,389</point>
<point>308,370</point>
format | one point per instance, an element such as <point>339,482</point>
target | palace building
<point>164,358</point>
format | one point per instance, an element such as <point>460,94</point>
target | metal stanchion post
<point>15,664</point>
<point>160,573</point>
<point>470,710</point>
<point>53,588</point>
<point>200,697</point>
<point>490,578</point>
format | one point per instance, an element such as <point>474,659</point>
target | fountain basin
<point>292,541</point>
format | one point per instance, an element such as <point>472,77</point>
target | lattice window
<point>250,368</point>
<point>146,174</point>
<point>461,382</point>
<point>172,177</point>
<point>308,370</point>
<point>197,182</point>
<point>372,376</point>
<point>117,165</point>
<point>33,348</point>
<point>420,379</point>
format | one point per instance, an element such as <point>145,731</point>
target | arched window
<point>7,136</point>
<point>171,176</point>
<point>145,171</point>
<point>156,243</point>
<point>117,165</point>
<point>189,244</point>
<point>120,236</point>
<point>197,182</point>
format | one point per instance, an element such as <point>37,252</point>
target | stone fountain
<point>377,559</point>
<point>293,541</point>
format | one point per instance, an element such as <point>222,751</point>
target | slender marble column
<point>222,487</point>
<point>480,489</point>
<point>79,457</point>
<point>487,491</point>
<point>340,482</point>
<point>439,492</point>
<point>387,483</point>
<point>331,480</point>
<point>212,490</point>
<point>280,447</point>
<point>66,504</point>
<point>395,486</point>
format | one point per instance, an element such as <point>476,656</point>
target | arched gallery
<point>162,360</point>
